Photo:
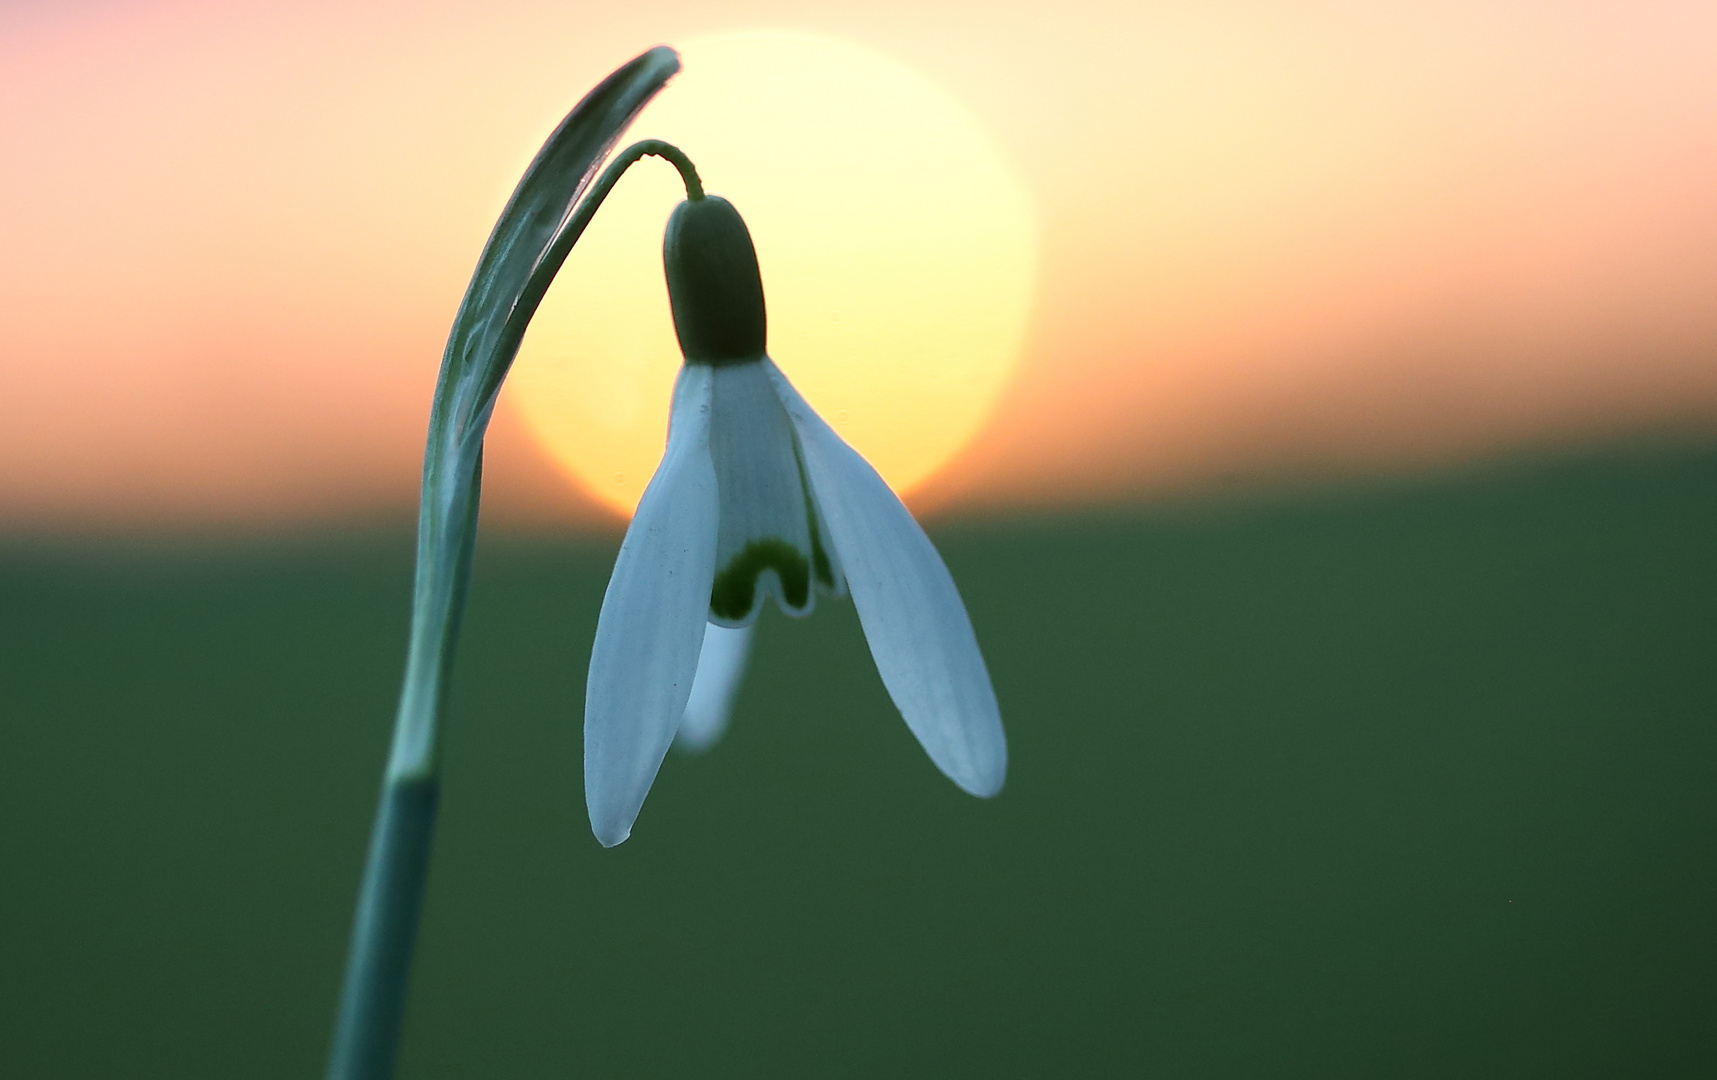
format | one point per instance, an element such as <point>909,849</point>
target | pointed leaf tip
<point>499,301</point>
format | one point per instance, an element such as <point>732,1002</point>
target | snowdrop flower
<point>757,497</point>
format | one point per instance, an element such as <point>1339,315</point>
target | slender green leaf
<point>523,253</point>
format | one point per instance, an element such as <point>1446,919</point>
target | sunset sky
<point>1270,239</point>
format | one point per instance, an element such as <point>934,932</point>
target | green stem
<point>366,1039</point>
<point>390,901</point>
<point>531,240</point>
<point>643,148</point>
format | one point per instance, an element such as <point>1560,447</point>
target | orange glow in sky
<point>1270,238</point>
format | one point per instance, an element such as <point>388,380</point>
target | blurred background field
<point>1316,401</point>
<point>1401,778</point>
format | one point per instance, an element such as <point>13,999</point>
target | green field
<point>1416,780</point>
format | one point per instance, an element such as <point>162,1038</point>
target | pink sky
<point>1277,239</point>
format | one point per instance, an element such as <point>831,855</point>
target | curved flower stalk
<point>532,238</point>
<point>756,496</point>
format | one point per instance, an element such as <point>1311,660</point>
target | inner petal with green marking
<point>768,541</point>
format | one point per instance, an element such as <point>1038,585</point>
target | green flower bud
<point>713,283</point>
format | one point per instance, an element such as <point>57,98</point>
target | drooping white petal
<point>766,543</point>
<point>652,623</point>
<point>912,615</point>
<point>720,667</point>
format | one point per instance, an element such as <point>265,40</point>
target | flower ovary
<point>714,287</point>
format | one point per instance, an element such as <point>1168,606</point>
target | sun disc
<point>898,252</point>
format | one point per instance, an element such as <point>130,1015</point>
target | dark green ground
<point>1414,781</point>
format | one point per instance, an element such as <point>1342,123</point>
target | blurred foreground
<point>1415,780</point>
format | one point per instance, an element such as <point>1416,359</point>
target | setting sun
<point>897,247</point>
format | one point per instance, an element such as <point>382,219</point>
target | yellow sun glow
<point>898,253</point>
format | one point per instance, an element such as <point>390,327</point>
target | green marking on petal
<point>735,588</point>
<point>825,571</point>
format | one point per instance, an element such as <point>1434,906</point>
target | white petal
<point>651,627</point>
<point>763,545</point>
<point>720,667</point>
<point>912,615</point>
